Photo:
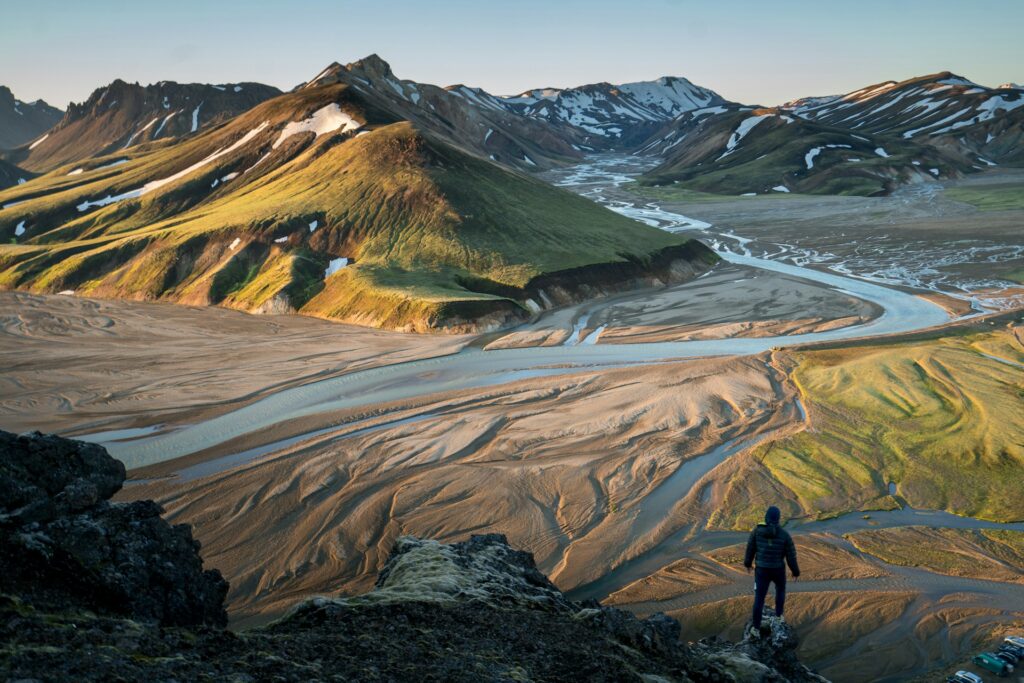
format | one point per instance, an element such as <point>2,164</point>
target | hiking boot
<point>753,633</point>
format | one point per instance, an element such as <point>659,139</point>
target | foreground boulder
<point>64,544</point>
<point>100,591</point>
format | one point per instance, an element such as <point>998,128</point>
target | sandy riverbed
<point>72,365</point>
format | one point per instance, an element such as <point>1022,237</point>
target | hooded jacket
<point>771,546</point>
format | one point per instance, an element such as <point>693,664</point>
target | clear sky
<point>763,52</point>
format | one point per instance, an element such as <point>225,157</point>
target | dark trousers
<point>763,577</point>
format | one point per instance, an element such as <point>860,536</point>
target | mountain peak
<point>371,64</point>
<point>370,68</point>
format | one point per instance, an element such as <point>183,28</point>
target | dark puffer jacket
<point>771,545</point>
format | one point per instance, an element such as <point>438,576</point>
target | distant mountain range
<point>942,122</point>
<point>867,142</point>
<point>944,110</point>
<point>745,151</point>
<point>363,197</point>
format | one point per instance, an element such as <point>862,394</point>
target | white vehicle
<point>964,677</point>
<point>1017,641</point>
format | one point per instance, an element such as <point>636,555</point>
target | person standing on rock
<point>773,549</point>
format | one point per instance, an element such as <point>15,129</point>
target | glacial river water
<point>474,368</point>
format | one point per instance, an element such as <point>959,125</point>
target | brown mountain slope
<point>122,114</point>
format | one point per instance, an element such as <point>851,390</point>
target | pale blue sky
<point>762,52</point>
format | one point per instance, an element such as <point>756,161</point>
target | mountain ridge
<point>122,114</point>
<point>981,124</point>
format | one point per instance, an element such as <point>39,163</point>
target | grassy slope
<point>1009,197</point>
<point>938,418</point>
<point>992,554</point>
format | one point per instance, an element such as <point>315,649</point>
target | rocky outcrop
<point>769,655</point>
<point>65,545</point>
<point>93,590</point>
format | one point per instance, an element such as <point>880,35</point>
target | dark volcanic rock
<point>96,591</point>
<point>63,544</point>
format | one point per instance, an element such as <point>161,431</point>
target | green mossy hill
<point>774,153</point>
<point>940,418</point>
<point>434,237</point>
<point>994,197</point>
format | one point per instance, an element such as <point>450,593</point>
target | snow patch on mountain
<point>141,130</point>
<point>741,132</point>
<point>704,111</point>
<point>324,120</point>
<point>163,123</point>
<point>956,80</point>
<point>809,157</point>
<point>334,266</point>
<point>116,162</point>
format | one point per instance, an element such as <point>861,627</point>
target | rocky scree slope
<point>121,115</point>
<point>23,122</point>
<point>97,591</point>
<point>326,202</point>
